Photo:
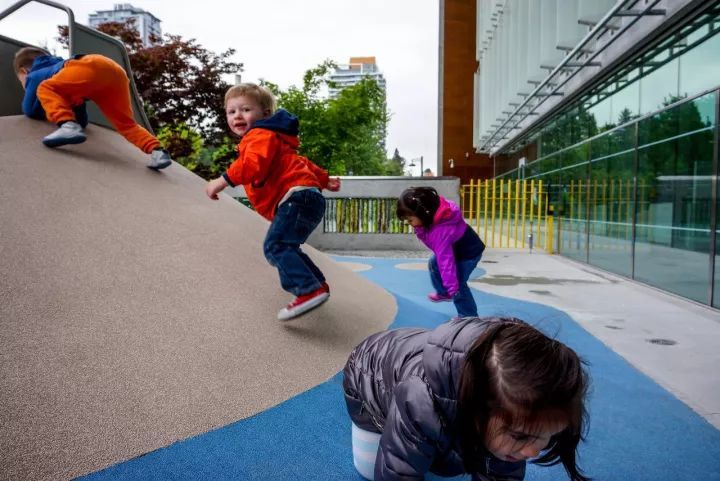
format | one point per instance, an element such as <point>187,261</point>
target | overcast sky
<point>279,40</point>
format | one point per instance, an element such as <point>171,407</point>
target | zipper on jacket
<point>372,417</point>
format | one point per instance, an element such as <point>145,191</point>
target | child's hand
<point>214,187</point>
<point>333,184</point>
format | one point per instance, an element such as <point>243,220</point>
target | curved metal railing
<point>82,40</point>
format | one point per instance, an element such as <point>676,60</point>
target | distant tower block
<point>147,24</point>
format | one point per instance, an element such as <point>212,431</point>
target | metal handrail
<point>563,66</point>
<point>72,27</point>
<point>50,3</point>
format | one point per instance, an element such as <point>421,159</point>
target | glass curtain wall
<point>610,199</point>
<point>674,198</point>
<point>632,166</point>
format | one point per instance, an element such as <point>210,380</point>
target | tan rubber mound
<point>135,312</point>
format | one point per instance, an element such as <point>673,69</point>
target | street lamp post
<point>413,164</point>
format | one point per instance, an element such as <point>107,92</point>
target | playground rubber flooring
<point>637,430</point>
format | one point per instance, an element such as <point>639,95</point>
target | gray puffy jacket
<point>403,383</point>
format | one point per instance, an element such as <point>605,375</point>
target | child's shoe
<point>68,133</point>
<point>435,297</point>
<point>159,159</point>
<point>304,303</point>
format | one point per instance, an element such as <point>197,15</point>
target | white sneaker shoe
<point>159,159</point>
<point>68,133</point>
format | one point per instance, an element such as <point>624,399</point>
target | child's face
<point>514,444</point>
<point>242,112</point>
<point>413,221</point>
<point>22,76</point>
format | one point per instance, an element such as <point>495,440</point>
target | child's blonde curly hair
<point>260,94</point>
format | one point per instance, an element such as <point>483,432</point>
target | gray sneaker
<point>68,133</point>
<point>159,159</point>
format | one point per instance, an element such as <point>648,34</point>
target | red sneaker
<point>303,303</point>
<point>435,297</point>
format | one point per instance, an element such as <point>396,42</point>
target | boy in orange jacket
<point>282,186</point>
<point>56,90</point>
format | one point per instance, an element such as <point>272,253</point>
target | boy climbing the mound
<point>57,89</point>
<point>282,186</point>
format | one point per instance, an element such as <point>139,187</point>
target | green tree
<point>625,116</point>
<point>181,85</point>
<point>344,135</point>
<point>184,143</point>
<point>395,165</point>
<point>358,120</point>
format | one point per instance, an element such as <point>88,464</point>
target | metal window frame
<point>713,206</point>
<point>625,125</point>
<point>703,18</point>
<point>575,57</point>
<point>636,149</point>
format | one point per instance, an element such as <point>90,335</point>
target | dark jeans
<point>294,221</point>
<point>463,300</point>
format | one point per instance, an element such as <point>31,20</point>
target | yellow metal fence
<point>509,213</point>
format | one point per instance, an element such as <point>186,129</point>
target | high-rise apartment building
<point>148,25</point>
<point>357,69</point>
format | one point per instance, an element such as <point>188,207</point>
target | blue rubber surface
<point>638,430</point>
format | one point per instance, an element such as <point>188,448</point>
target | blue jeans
<point>463,300</point>
<point>293,223</point>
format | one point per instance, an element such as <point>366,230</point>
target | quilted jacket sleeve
<point>408,443</point>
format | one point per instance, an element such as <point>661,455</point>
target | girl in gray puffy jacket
<point>475,395</point>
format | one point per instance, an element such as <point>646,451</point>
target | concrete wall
<point>375,187</point>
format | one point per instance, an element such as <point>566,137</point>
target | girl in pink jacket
<point>456,247</point>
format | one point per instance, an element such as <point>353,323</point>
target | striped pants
<point>365,446</point>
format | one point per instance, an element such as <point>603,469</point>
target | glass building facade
<point>632,165</point>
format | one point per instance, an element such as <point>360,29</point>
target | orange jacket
<point>268,165</point>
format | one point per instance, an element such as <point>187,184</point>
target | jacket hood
<point>281,121</point>
<point>447,211</point>
<point>444,358</point>
<point>45,61</point>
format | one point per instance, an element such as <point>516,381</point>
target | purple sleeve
<point>446,263</point>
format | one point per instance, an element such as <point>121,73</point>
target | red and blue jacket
<point>268,164</point>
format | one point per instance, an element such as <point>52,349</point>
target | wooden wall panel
<point>458,65</point>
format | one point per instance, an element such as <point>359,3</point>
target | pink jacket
<point>442,238</point>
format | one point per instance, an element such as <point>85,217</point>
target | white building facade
<point>614,105</point>
<point>147,24</point>
<point>353,72</point>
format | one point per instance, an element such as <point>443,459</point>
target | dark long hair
<point>421,202</point>
<point>516,372</point>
